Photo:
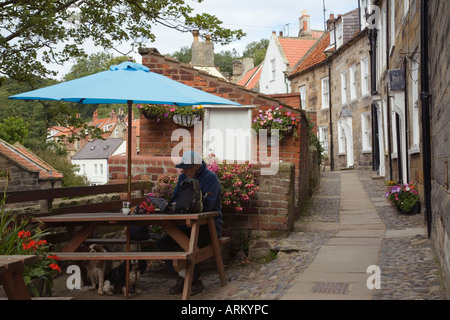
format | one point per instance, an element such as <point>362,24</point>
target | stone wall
<point>440,132</point>
<point>351,54</point>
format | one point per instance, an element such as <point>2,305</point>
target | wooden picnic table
<point>11,275</point>
<point>190,255</point>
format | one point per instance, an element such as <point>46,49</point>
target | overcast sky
<point>257,18</point>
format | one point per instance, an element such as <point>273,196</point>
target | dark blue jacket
<point>209,185</point>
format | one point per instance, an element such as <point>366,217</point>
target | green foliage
<point>13,129</point>
<point>182,55</point>
<point>314,140</point>
<point>403,196</point>
<point>20,236</point>
<point>29,27</point>
<point>256,50</point>
<point>56,156</point>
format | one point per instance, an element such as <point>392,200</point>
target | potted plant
<point>276,118</point>
<point>156,111</point>
<point>404,197</point>
<point>237,182</point>
<point>18,236</point>
<point>186,116</point>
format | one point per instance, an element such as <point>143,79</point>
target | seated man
<point>193,166</point>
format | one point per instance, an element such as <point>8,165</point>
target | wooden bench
<point>122,255</point>
<point>148,242</point>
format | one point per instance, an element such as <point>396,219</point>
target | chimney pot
<point>195,33</point>
<point>281,33</point>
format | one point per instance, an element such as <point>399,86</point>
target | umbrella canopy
<point>123,83</point>
<point>128,83</point>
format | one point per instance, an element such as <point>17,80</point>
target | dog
<point>96,269</point>
<point>115,280</point>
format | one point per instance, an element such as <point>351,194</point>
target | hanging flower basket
<point>155,111</point>
<point>185,120</point>
<point>187,115</point>
<point>276,118</point>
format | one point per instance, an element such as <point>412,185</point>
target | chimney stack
<point>305,25</point>
<point>202,52</point>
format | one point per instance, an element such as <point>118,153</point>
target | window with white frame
<point>323,137</point>
<point>343,88</point>
<point>95,169</point>
<point>341,139</point>
<point>325,93</point>
<point>365,77</point>
<point>101,169</point>
<point>353,82</point>
<point>274,69</point>
<point>366,131</point>
<point>302,91</point>
<point>415,104</point>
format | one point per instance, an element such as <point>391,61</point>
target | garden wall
<point>270,212</point>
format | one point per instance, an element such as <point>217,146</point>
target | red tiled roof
<point>314,56</point>
<point>295,48</point>
<point>251,78</point>
<point>28,161</point>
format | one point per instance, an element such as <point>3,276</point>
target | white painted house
<point>282,54</point>
<point>92,159</point>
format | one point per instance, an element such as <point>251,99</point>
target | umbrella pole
<point>129,102</point>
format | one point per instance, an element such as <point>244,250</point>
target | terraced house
<point>378,81</point>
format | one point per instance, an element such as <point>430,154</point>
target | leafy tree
<point>46,31</point>
<point>13,129</point>
<point>182,55</point>
<point>94,63</point>
<point>256,50</point>
<point>224,60</point>
<point>56,156</point>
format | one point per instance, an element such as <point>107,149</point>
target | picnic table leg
<point>14,285</point>
<point>217,253</point>
<point>127,273</point>
<point>189,263</point>
<point>79,237</point>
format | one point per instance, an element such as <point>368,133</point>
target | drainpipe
<point>331,118</point>
<point>406,121</point>
<point>389,99</point>
<point>425,97</point>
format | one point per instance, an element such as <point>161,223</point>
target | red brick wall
<point>274,208</point>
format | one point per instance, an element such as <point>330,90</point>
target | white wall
<point>280,84</point>
<point>96,170</point>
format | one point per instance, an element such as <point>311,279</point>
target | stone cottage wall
<point>440,133</point>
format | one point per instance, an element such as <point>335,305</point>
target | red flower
<point>54,266</point>
<point>24,234</point>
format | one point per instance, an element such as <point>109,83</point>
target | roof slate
<point>98,149</point>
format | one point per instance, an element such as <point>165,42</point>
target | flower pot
<point>147,114</point>
<point>414,210</point>
<point>36,287</point>
<point>185,120</point>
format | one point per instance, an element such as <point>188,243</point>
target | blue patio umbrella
<point>127,83</point>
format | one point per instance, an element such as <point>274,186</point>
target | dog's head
<point>140,265</point>
<point>95,248</point>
